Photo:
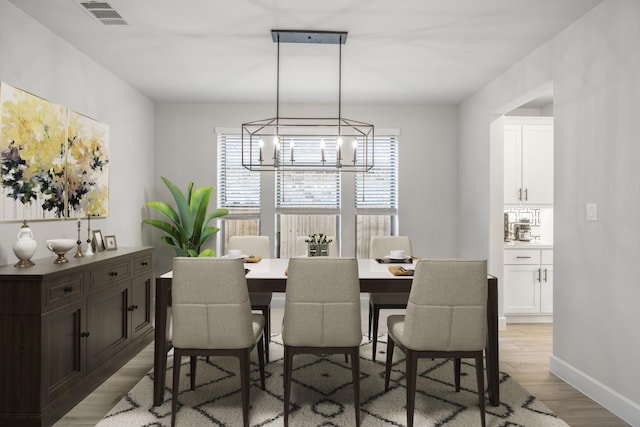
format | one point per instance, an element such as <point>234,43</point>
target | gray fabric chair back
<point>302,247</point>
<point>322,305</point>
<point>447,307</point>
<point>251,245</point>
<point>383,245</point>
<point>210,304</point>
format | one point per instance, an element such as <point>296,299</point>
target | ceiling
<point>401,52</point>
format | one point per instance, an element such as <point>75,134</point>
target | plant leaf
<point>183,207</point>
<point>207,252</point>
<point>166,210</point>
<point>164,226</point>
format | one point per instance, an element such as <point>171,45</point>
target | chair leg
<point>261,362</point>
<point>387,370</point>
<point>376,318</point>
<point>176,383</point>
<point>480,379</point>
<point>456,372</point>
<point>412,367</point>
<point>370,320</point>
<point>266,312</point>
<point>193,362</point>
<point>355,370</point>
<point>288,367</point>
<point>244,384</point>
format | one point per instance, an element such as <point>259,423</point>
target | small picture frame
<point>97,243</point>
<point>110,243</point>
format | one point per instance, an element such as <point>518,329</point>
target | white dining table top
<point>274,268</point>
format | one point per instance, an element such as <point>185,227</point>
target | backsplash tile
<point>541,221</point>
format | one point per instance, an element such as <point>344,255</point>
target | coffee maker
<point>523,230</point>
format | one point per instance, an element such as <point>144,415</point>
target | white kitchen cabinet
<point>528,285</point>
<point>528,161</point>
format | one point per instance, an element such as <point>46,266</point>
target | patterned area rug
<point>322,395</point>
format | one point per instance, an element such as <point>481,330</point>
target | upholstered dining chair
<point>322,316</point>
<point>260,301</point>
<point>446,317</point>
<point>302,247</point>
<point>380,247</point>
<point>212,317</point>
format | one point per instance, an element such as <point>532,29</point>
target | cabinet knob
<point>113,274</point>
<point>84,334</point>
<point>144,263</point>
<point>67,289</point>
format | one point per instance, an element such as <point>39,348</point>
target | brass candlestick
<point>79,244</point>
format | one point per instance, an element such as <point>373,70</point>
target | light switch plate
<point>592,211</point>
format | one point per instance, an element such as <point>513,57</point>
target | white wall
<point>186,151</point>
<point>595,69</point>
<point>36,60</point>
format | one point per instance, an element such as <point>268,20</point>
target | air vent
<point>104,13</point>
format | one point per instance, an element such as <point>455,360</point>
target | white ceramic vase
<point>25,246</point>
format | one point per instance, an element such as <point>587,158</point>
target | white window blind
<point>378,188</point>
<point>238,188</point>
<point>308,189</point>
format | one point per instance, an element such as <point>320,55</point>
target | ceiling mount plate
<point>305,36</point>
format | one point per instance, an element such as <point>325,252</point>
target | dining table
<point>269,275</point>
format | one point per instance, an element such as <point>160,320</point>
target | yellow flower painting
<point>54,161</point>
<point>87,166</point>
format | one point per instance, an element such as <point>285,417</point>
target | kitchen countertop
<point>537,244</point>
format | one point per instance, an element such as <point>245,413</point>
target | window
<point>377,195</point>
<point>238,189</point>
<point>307,202</point>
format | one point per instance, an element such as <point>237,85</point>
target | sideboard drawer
<point>63,290</point>
<point>111,274</point>
<point>142,264</point>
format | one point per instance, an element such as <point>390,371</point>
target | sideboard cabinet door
<point>64,348</point>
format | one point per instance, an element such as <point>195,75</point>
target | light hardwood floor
<point>524,354</point>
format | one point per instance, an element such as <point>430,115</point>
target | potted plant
<point>318,245</point>
<point>188,228</point>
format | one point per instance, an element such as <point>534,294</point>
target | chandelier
<point>308,143</point>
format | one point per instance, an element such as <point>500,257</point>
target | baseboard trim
<point>618,404</point>
<point>502,323</point>
<point>529,318</point>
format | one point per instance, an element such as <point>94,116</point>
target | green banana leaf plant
<point>187,229</point>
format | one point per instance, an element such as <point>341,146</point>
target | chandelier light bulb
<point>261,145</point>
<point>292,144</point>
<point>355,148</point>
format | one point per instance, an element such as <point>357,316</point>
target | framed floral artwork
<point>87,166</point>
<point>54,161</point>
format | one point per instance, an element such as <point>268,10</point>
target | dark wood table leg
<point>493,366</point>
<point>161,345</point>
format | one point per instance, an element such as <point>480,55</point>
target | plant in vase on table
<point>318,244</point>
<point>188,227</point>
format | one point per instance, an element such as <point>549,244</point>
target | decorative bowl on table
<point>60,247</point>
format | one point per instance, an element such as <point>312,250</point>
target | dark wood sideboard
<point>65,328</point>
